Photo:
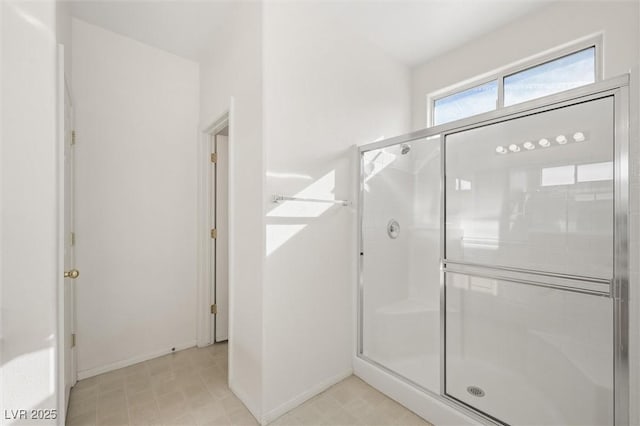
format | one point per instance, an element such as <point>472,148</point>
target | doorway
<point>219,219</point>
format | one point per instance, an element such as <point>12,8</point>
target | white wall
<point>136,111</point>
<point>29,207</point>
<point>235,71</point>
<point>557,24</point>
<point>325,90</point>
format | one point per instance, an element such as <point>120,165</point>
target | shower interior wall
<point>401,301</point>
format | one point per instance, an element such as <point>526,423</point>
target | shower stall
<point>493,260</point>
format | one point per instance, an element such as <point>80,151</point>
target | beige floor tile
<point>213,411</point>
<point>410,419</point>
<point>144,413</point>
<point>115,375</point>
<point>85,419</point>
<point>173,397</point>
<point>163,388</point>
<point>115,384</point>
<point>218,389</point>
<point>200,400</point>
<point>138,377</point>
<point>221,420</point>
<point>242,418</point>
<point>86,383</point>
<point>288,419</point>
<point>84,393</point>
<point>184,420</point>
<point>189,388</point>
<point>119,418</point>
<point>139,386</point>
<point>114,410</point>
<point>342,417</point>
<point>80,407</point>
<point>141,398</point>
<point>139,368</point>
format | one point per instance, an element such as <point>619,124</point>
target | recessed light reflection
<point>542,142</point>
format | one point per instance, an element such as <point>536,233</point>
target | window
<point>466,103</point>
<point>573,67</point>
<point>565,73</point>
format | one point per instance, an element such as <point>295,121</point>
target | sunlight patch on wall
<point>32,20</point>
<point>288,176</point>
<point>277,235</point>
<point>28,374</point>
<point>323,189</point>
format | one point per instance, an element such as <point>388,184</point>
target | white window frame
<point>592,41</point>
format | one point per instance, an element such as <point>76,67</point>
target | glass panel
<point>529,355</point>
<point>538,192</point>
<point>565,73</point>
<point>464,104</point>
<point>401,260</point>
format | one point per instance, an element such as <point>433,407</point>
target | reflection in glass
<point>547,209</point>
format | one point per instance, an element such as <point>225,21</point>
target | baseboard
<point>255,412</point>
<point>85,374</point>
<point>296,401</point>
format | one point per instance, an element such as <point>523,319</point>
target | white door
<point>220,244</point>
<point>69,256</point>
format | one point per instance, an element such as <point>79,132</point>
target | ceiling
<point>413,31</point>
<point>416,31</point>
<point>185,28</point>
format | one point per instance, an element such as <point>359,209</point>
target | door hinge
<point>73,340</point>
<point>214,233</point>
<point>73,238</point>
<point>73,137</point>
<point>214,309</point>
<point>214,157</point>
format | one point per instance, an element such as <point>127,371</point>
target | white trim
<point>203,316</point>
<point>85,374</point>
<point>634,246</point>
<point>304,396</point>
<point>231,200</point>
<point>592,40</point>
<point>60,341</point>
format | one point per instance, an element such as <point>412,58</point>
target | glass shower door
<point>528,266</point>
<point>400,260</point>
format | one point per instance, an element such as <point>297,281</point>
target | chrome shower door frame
<point>618,289</point>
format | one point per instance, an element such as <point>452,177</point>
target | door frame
<point>205,272</point>
<point>62,342</point>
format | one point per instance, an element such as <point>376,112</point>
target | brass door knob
<point>74,273</point>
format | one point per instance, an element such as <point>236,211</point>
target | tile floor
<point>190,388</point>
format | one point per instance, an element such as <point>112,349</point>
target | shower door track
<point>618,287</point>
